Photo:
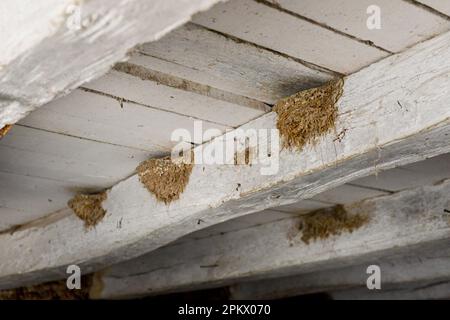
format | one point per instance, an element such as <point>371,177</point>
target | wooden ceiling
<point>225,68</point>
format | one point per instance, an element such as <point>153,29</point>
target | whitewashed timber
<point>395,112</point>
<point>409,223</point>
<point>31,76</point>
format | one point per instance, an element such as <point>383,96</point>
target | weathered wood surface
<point>198,54</point>
<point>88,38</point>
<point>422,290</point>
<point>270,28</point>
<point>398,225</point>
<point>402,23</point>
<point>428,262</point>
<point>438,5</point>
<point>395,112</point>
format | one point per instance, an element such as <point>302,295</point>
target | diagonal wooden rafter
<point>88,36</point>
<point>406,235</point>
<point>392,113</point>
<point>428,263</point>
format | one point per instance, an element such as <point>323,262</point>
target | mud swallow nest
<point>307,115</point>
<point>88,207</point>
<point>324,223</point>
<point>164,178</point>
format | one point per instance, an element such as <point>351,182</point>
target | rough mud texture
<point>88,207</point>
<point>324,223</point>
<point>164,178</point>
<point>55,290</point>
<point>5,130</point>
<point>307,115</point>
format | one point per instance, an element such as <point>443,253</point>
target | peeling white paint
<point>42,58</point>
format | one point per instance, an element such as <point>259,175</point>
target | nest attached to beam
<point>324,223</point>
<point>308,114</point>
<point>88,207</point>
<point>164,178</point>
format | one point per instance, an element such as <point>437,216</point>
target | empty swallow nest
<point>307,115</point>
<point>324,223</point>
<point>88,207</point>
<point>165,178</point>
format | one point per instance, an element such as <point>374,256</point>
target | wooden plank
<point>276,30</point>
<point>403,24</point>
<point>240,223</point>
<point>198,54</point>
<point>344,194</point>
<point>166,92</point>
<point>25,198</point>
<point>427,263</point>
<point>399,224</point>
<point>43,170</point>
<point>379,134</point>
<point>85,163</point>
<point>439,5</point>
<point>410,176</point>
<point>105,119</point>
<point>303,206</point>
<point>89,38</point>
<point>347,194</point>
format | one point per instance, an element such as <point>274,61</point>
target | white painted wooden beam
<point>50,47</point>
<point>393,113</point>
<point>429,263</point>
<point>201,55</point>
<point>270,28</point>
<point>439,5</point>
<point>402,226</point>
<point>403,23</point>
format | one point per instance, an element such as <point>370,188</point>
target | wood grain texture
<point>439,5</point>
<point>201,55</point>
<point>395,112</point>
<point>403,24</point>
<point>420,290</point>
<point>105,119</point>
<point>425,263</point>
<point>178,95</point>
<point>32,31</point>
<point>399,225</point>
<point>279,31</point>
<point>41,171</point>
